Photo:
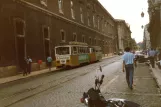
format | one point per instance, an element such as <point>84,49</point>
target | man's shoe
<point>131,87</point>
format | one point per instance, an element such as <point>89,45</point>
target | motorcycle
<point>94,98</point>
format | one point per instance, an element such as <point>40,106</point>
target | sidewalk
<point>35,73</point>
<point>20,76</point>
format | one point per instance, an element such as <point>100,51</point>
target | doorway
<point>20,43</point>
<point>47,48</point>
<point>46,37</point>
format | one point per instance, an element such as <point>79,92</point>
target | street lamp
<point>142,14</point>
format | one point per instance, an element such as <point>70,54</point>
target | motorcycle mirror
<point>102,77</point>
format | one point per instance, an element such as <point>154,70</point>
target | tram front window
<point>62,50</point>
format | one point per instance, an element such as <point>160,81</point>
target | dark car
<point>140,57</point>
<point>120,53</point>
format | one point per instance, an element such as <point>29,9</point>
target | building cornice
<point>105,10</point>
<point>45,11</point>
<point>123,21</point>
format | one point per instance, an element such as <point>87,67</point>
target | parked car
<point>120,53</point>
<point>140,57</point>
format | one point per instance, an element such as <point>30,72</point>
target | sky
<point>130,11</point>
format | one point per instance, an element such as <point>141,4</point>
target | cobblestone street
<point>65,88</point>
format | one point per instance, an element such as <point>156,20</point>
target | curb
<point>154,76</point>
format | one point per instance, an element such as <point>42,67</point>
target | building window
<point>88,18</point>
<point>105,24</point>
<point>94,8</point>
<point>99,42</point>
<point>46,32</point>
<point>90,40</point>
<point>81,15</point>
<point>98,23</point>
<point>102,24</point>
<point>95,42</point>
<point>72,9</point>
<point>74,37</point>
<point>43,2</point>
<point>60,4</point>
<point>94,21</point>
<point>20,26</point>
<point>62,33</point>
<point>83,38</point>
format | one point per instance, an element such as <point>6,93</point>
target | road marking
<point>105,86</point>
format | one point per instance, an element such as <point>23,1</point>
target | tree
<point>133,44</point>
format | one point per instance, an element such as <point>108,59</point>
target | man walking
<point>49,62</point>
<point>24,66</point>
<point>128,64</point>
<point>152,54</point>
<point>29,61</point>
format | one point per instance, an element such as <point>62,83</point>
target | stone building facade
<point>154,28</point>
<point>146,38</point>
<point>124,34</point>
<point>34,27</point>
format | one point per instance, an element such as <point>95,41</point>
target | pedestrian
<point>128,65</point>
<point>152,55</point>
<point>29,61</point>
<point>24,66</point>
<point>159,59</point>
<point>49,62</point>
<point>157,54</point>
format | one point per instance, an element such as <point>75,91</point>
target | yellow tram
<point>76,53</point>
<point>95,53</point>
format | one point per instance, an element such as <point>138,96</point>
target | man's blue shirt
<point>128,58</point>
<point>152,53</point>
